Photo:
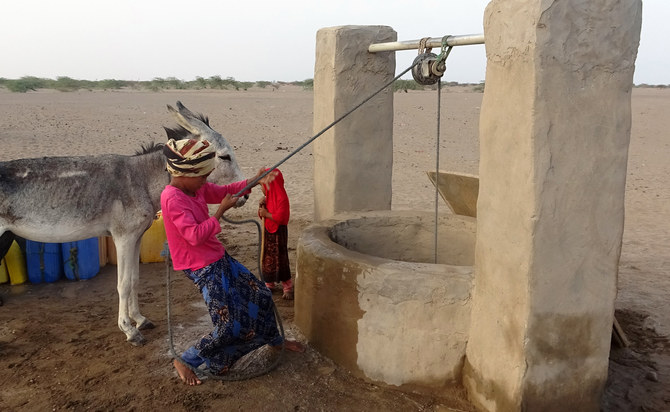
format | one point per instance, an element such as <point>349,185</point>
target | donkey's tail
<point>5,242</point>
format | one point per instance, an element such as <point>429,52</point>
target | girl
<point>274,209</point>
<point>240,306</point>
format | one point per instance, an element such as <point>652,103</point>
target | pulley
<point>429,67</point>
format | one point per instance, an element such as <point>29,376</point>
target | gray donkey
<point>64,199</point>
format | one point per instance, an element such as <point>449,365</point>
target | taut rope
<point>302,146</point>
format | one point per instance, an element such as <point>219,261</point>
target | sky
<point>247,40</point>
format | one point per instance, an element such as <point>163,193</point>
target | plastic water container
<point>153,241</point>
<point>16,265</point>
<point>102,250</point>
<point>4,276</point>
<point>110,249</point>
<point>44,261</point>
<point>81,259</point>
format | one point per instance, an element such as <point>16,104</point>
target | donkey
<point>63,199</point>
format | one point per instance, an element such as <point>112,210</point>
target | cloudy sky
<point>246,40</point>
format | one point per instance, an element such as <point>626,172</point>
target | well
<point>368,297</point>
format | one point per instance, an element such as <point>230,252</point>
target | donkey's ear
<point>188,124</point>
<point>184,111</point>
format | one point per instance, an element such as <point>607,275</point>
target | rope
<point>238,376</point>
<point>437,161</point>
<point>443,58</point>
<point>302,146</point>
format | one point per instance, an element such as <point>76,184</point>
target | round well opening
<point>410,238</point>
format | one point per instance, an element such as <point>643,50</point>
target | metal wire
<point>437,161</point>
<point>443,56</point>
<point>302,146</point>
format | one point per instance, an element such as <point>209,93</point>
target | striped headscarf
<point>189,157</point>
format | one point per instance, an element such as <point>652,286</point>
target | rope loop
<point>440,65</point>
<point>422,46</point>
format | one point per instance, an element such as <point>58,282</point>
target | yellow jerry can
<point>153,241</point>
<point>110,250</point>
<point>4,276</point>
<point>16,265</point>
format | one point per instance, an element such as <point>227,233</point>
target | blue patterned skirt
<point>241,309</point>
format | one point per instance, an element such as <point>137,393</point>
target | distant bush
<point>25,84</point>
<point>404,85</point>
<point>262,84</point>
<point>174,83</point>
<point>200,83</point>
<point>111,84</point>
<point>651,86</point>
<point>156,84</point>
<point>67,84</point>
<point>307,84</point>
<point>245,85</point>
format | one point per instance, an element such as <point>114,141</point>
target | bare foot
<point>288,295</point>
<point>186,375</point>
<point>291,345</point>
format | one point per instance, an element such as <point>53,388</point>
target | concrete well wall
<point>393,322</point>
<point>353,160</point>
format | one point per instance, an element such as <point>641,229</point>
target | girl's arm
<point>227,202</point>
<point>214,193</point>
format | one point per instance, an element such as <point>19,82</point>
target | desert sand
<point>61,348</point>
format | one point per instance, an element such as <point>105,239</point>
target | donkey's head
<point>196,126</point>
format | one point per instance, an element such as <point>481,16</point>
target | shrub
<point>111,84</point>
<point>307,84</point>
<point>404,85</point>
<point>66,84</point>
<point>25,84</point>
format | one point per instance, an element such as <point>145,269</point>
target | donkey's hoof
<point>146,324</point>
<point>137,339</point>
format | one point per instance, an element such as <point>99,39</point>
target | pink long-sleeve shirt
<point>191,231</point>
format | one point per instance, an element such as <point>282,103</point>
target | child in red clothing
<point>274,209</point>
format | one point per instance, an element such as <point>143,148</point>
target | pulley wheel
<point>422,72</point>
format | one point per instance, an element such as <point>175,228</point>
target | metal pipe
<point>433,42</point>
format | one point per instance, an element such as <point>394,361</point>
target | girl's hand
<point>229,201</point>
<point>226,203</point>
<point>267,179</point>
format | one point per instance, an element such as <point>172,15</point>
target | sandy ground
<point>59,343</point>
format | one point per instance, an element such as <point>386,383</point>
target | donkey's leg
<point>128,257</point>
<point>141,322</point>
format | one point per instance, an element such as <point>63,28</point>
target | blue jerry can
<point>81,259</point>
<point>44,261</point>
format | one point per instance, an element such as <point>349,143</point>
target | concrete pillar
<point>554,134</point>
<point>353,161</point>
